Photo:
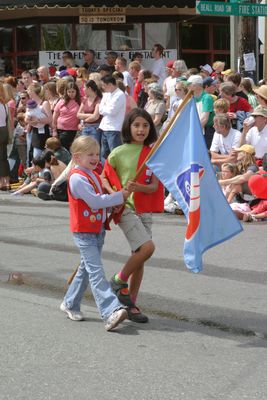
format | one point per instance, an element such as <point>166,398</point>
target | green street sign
<point>216,8</point>
<point>236,8</point>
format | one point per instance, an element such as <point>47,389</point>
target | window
<point>27,38</point>
<point>162,33</point>
<point>6,66</point>
<point>221,37</point>
<point>91,37</point>
<point>27,62</point>
<point>126,37</point>
<point>195,36</point>
<point>56,37</point>
<point>6,40</point>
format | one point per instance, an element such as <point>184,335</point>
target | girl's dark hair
<point>39,162</point>
<point>50,157</point>
<point>72,85</point>
<point>129,119</point>
<point>91,84</point>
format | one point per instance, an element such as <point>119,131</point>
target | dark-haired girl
<point>89,111</point>
<point>138,134</point>
<point>65,120</point>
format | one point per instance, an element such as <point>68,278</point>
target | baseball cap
<point>195,80</point>
<point>247,148</point>
<point>206,68</point>
<point>208,81</point>
<point>72,72</point>
<point>259,110</point>
<point>169,64</point>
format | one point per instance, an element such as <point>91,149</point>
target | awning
<point>97,3</point>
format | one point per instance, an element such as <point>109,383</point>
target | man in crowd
<point>112,107</point>
<point>111,59</point>
<point>121,66</point>
<point>26,78</point>
<point>43,74</point>
<point>225,140</point>
<point>158,66</point>
<point>89,58</point>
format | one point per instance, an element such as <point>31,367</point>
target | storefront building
<point>28,28</point>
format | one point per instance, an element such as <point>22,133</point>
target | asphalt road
<point>207,333</point>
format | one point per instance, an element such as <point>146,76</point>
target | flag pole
<point>187,98</point>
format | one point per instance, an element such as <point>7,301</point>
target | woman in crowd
<point>82,78</point>
<point>39,136</point>
<point>51,95</point>
<point>4,137</point>
<point>155,105</point>
<point>89,111</point>
<point>65,120</point>
<point>246,86</point>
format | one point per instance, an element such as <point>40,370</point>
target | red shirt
<point>240,105</point>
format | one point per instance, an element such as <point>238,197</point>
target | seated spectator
<point>255,132</point>
<point>35,175</point>
<point>225,141</point>
<point>56,167</point>
<point>218,67</point>
<point>239,108</point>
<point>53,144</point>
<point>230,191</point>
<point>235,78</point>
<point>247,88</point>
<point>221,106</point>
<point>246,167</point>
<point>261,94</point>
<point>258,187</point>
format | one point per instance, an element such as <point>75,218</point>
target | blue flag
<point>182,164</point>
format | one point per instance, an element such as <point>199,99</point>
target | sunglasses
<point>23,98</point>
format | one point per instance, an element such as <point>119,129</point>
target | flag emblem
<point>188,184</point>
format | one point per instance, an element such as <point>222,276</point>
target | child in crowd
<point>20,138</point>
<point>138,133</point>
<point>33,112</point>
<point>56,167</point>
<point>87,217</point>
<point>221,106</point>
<point>229,171</point>
<point>62,154</point>
<point>36,175</point>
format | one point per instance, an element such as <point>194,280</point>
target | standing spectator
<point>50,92</point>
<point>139,88</point>
<point>121,66</point>
<point>134,68</point>
<point>235,78</point>
<point>179,70</point>
<point>218,67</point>
<point>68,61</point>
<point>158,66</point>
<point>111,59</point>
<point>82,78</point>
<point>27,78</point>
<point>65,120</point>
<point>43,73</point>
<point>89,57</point>
<point>89,111</point>
<point>11,103</point>
<point>38,138</point>
<point>155,105</point>
<point>204,103</point>
<point>4,138</point>
<point>112,107</point>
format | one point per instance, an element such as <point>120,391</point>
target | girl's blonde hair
<point>3,98</point>
<point>231,167</point>
<point>83,144</point>
<point>37,89</point>
<point>222,105</point>
<point>8,91</point>
<point>243,164</point>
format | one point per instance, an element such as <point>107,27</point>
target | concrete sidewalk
<point>230,294</point>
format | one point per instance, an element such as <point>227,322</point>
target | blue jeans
<point>91,271</point>
<point>91,130</point>
<point>109,140</point>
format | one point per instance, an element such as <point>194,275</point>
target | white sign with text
<point>53,58</point>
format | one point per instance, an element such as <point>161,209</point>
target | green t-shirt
<point>207,106</point>
<point>124,160</point>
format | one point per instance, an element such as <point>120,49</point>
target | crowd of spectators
<point>40,116</point>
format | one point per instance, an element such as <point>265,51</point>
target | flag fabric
<point>182,164</point>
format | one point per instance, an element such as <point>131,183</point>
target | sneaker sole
<point>120,318</point>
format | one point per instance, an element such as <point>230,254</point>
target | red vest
<point>82,217</point>
<point>143,202</point>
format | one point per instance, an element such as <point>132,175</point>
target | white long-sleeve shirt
<point>112,107</point>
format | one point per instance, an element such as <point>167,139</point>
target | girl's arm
<point>139,187</point>
<point>54,122</point>
<point>94,116</point>
<point>106,185</point>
